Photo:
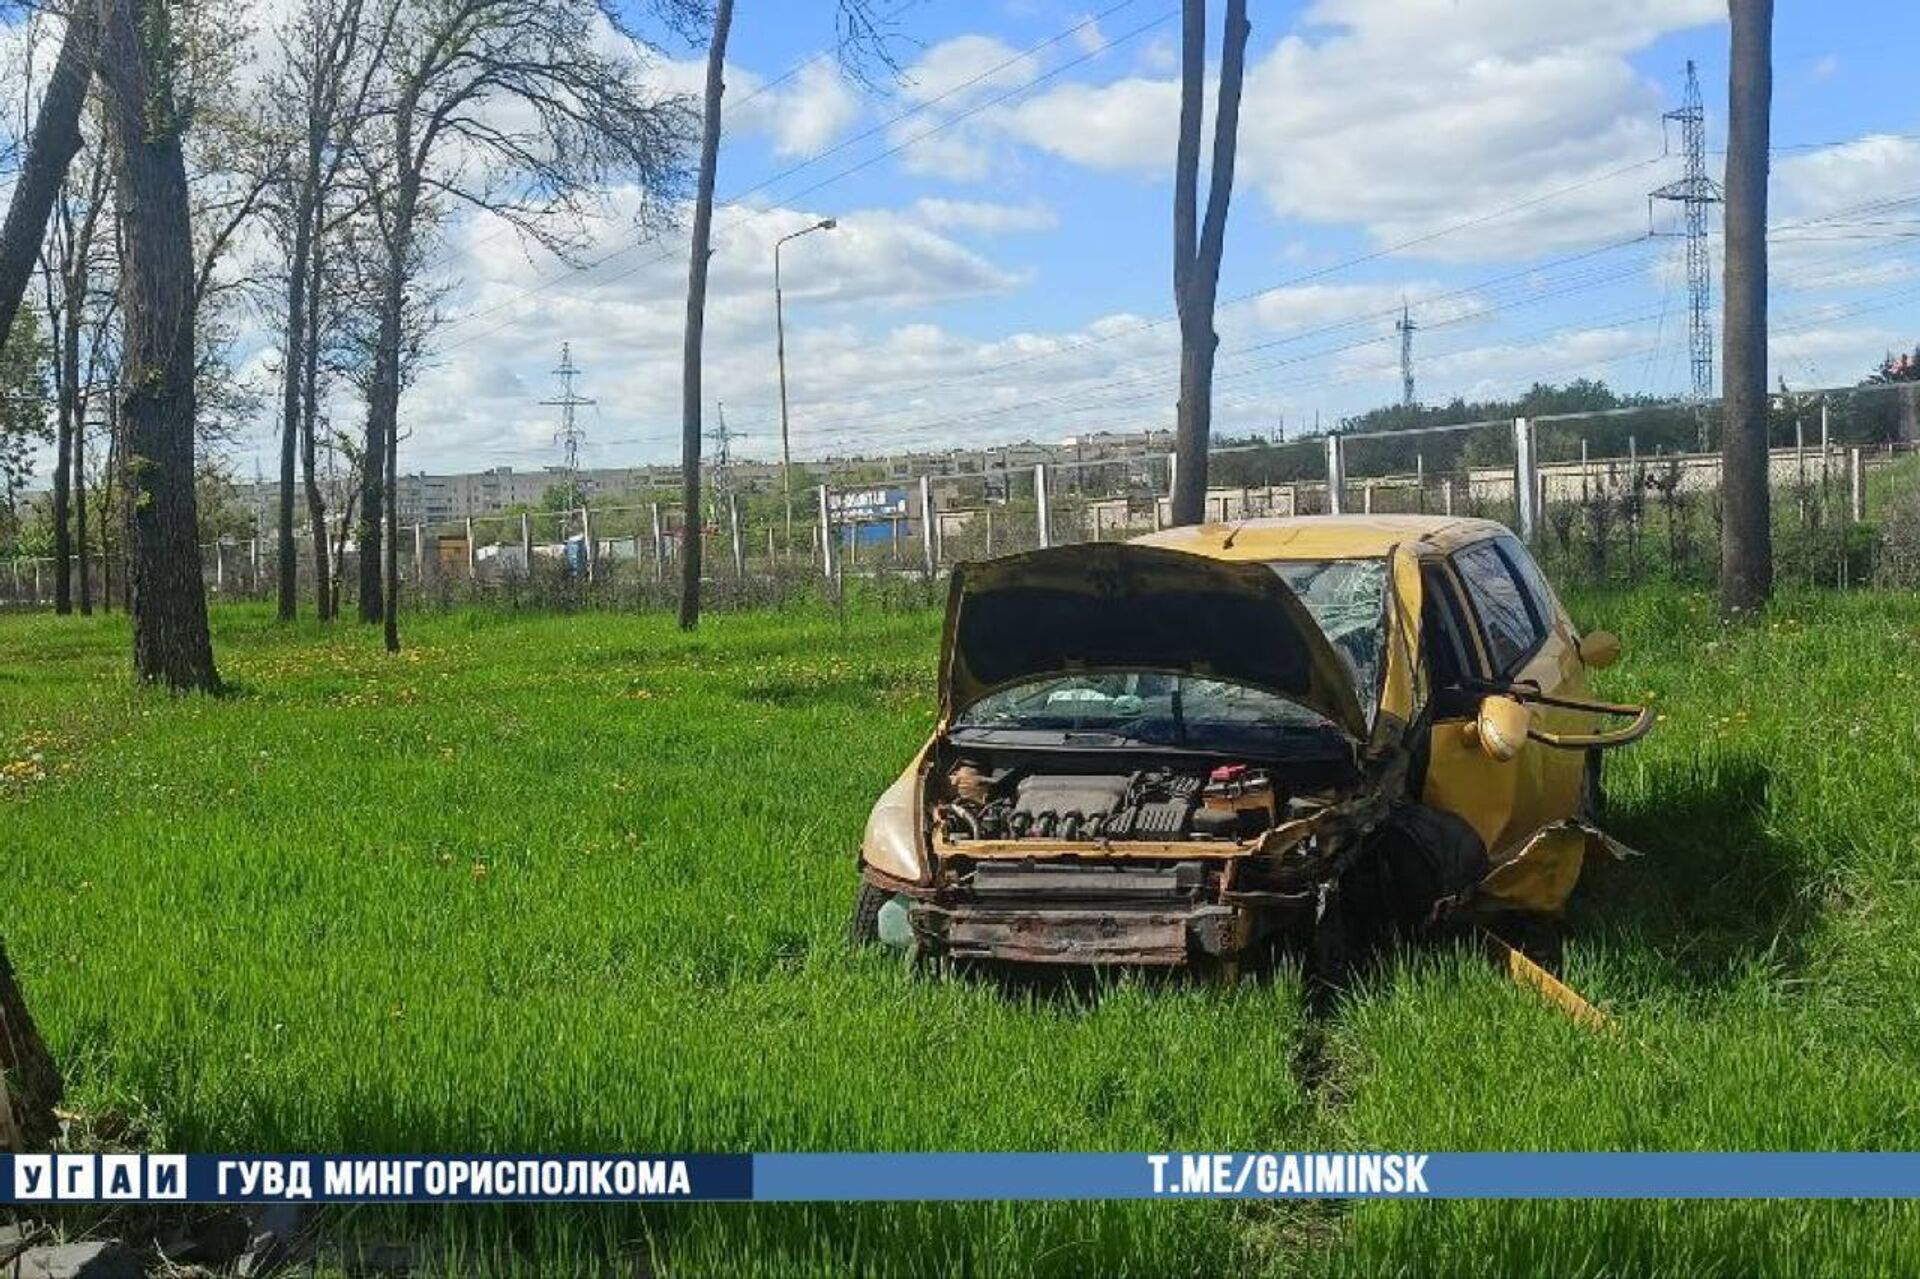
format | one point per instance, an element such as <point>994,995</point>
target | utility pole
<point>1746,545</point>
<point>1694,192</point>
<point>723,438</point>
<point>570,437</point>
<point>1406,326</point>
<point>780,348</point>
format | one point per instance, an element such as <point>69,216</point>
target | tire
<point>864,928</point>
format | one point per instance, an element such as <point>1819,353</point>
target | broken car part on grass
<point>1216,742</point>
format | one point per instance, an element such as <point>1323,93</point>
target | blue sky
<point>1002,268</point>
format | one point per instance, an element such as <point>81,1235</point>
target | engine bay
<point>1107,798</point>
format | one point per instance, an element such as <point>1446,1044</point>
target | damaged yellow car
<point>1214,742</point>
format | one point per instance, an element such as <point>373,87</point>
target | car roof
<point>1323,537</point>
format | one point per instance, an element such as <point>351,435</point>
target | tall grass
<point>579,883</point>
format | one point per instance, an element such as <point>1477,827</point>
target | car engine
<point>1230,801</point>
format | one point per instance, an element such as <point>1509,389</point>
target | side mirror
<point>1599,649</point>
<point>1501,727</point>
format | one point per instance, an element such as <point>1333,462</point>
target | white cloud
<point>966,70</point>
<point>1842,180</point>
<point>984,216</point>
<point>1408,115</point>
<point>476,403</point>
<point>805,116</point>
<point>1088,37</point>
<point>953,77</point>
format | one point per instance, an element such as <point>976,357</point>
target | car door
<point>1460,778</point>
<point>1527,640</point>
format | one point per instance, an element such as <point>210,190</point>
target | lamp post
<point>780,340</point>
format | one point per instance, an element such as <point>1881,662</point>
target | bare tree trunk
<point>56,139</point>
<point>61,503</point>
<point>323,600</point>
<point>1198,248</point>
<point>1746,548</point>
<point>112,517</point>
<point>169,604</point>
<point>293,369</point>
<point>84,561</point>
<point>27,1073</point>
<point>383,403</point>
<point>390,615</point>
<point>692,524</point>
<point>340,550</point>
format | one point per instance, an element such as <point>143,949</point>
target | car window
<point>1545,609</point>
<point>1506,616</point>
<point>1348,598</point>
<point>1442,631</point>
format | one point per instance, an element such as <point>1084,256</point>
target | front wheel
<point>864,928</point>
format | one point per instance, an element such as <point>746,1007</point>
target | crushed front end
<point>1040,859</point>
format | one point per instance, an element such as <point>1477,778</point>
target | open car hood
<point>1118,606</point>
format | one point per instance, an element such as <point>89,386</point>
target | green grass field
<point>579,883</point>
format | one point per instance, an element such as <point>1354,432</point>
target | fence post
<point>36,581</point>
<point>1366,497</point>
<point>1857,484</point>
<point>826,535</point>
<point>659,546</point>
<point>1336,475</point>
<point>733,530</point>
<point>1526,480</point>
<point>253,564</point>
<point>1446,495</point>
<point>989,532</point>
<point>419,554</point>
<point>473,554</point>
<point>219,567</point>
<point>586,539</point>
<point>1173,473</point>
<point>926,525</point>
<point>1042,515</point>
<point>1826,441</point>
<point>526,542</point>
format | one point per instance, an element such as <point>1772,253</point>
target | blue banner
<point>853,1177</point>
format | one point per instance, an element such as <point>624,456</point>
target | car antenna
<point>1235,532</point>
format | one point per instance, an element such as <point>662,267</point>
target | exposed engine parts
<point>1225,802</point>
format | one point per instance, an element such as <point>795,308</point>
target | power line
<point>1252,295</point>
<point>882,426</point>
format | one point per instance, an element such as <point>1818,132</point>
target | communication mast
<point>1406,326</point>
<point>1694,192</point>
<point>569,437</point>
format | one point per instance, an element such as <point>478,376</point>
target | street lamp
<point>780,338</point>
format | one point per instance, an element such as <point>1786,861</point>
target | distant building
<point>435,499</point>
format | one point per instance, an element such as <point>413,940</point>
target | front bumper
<point>1054,936</point>
<point>1048,913</point>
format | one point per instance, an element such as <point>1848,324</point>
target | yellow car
<point>1217,740</point>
